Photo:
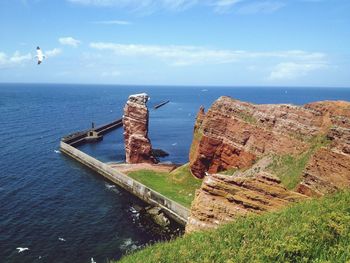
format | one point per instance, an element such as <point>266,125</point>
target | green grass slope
<point>311,231</point>
<point>290,168</point>
<point>179,185</point>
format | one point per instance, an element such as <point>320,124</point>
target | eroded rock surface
<point>248,139</point>
<point>138,147</point>
<point>234,134</point>
<point>223,198</point>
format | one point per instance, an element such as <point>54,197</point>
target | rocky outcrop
<point>222,198</point>
<point>326,172</point>
<point>138,148</point>
<point>234,134</point>
<point>250,140</point>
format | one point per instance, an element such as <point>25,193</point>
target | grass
<point>247,117</point>
<point>289,168</point>
<point>179,185</point>
<point>310,231</point>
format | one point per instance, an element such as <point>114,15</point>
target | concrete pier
<point>174,210</point>
<point>82,137</point>
<point>161,104</point>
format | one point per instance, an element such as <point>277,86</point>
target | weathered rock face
<point>235,134</point>
<point>222,198</point>
<point>138,148</point>
<point>326,172</point>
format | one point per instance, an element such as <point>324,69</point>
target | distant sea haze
<point>62,211</point>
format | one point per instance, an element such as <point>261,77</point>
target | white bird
<point>39,55</point>
<point>56,151</point>
<point>61,239</point>
<point>21,249</point>
<point>92,260</point>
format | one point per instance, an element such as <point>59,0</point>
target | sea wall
<point>174,210</point>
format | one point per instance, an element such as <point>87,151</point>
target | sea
<point>63,212</point>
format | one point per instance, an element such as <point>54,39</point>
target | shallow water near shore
<point>46,197</point>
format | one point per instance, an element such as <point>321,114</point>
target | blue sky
<point>177,42</point>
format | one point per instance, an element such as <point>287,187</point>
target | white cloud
<point>265,7</point>
<point>113,22</point>
<point>69,41</point>
<point>219,6</point>
<point>222,6</point>
<point>54,52</point>
<point>138,5</point>
<point>292,70</point>
<point>190,55</point>
<point>17,59</point>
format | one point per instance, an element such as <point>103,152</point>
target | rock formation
<point>249,140</point>
<point>234,134</point>
<point>138,148</point>
<point>223,198</point>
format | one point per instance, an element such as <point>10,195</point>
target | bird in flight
<point>39,55</point>
<point>21,249</point>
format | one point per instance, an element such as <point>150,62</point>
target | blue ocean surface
<point>45,196</point>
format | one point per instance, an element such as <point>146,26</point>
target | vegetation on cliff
<point>311,231</point>
<point>178,185</point>
<point>289,168</point>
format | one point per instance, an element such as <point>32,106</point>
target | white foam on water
<point>128,244</point>
<point>112,188</point>
<point>109,186</point>
<point>22,249</point>
<point>133,210</point>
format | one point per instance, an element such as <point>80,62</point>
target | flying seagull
<point>21,249</point>
<point>39,55</point>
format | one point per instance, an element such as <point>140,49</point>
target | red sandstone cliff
<point>138,148</point>
<point>251,140</point>
<point>223,198</point>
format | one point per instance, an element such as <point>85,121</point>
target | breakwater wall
<point>79,138</point>
<point>161,104</point>
<point>173,209</point>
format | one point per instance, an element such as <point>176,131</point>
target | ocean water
<point>45,195</point>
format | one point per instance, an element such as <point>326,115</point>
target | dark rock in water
<point>159,153</point>
<point>158,216</point>
<point>155,210</point>
<point>161,220</point>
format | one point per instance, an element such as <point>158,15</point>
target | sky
<point>177,42</point>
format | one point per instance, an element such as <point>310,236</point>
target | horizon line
<point>174,85</point>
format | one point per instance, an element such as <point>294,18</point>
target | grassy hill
<point>311,231</point>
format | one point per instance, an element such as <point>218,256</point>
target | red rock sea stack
<point>138,147</point>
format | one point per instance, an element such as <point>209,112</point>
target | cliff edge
<point>268,156</point>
